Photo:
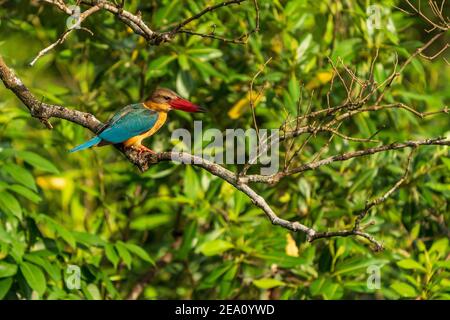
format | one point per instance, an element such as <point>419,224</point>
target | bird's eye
<point>167,98</point>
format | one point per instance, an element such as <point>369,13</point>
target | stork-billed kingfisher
<point>136,122</point>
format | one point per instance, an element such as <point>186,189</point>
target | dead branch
<point>137,24</point>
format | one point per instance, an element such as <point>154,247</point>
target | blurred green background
<point>180,232</point>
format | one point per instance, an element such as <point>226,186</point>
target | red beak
<point>184,105</point>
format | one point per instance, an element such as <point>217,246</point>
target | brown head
<point>163,99</point>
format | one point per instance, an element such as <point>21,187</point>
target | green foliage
<point>180,231</point>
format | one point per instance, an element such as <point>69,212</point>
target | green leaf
<point>268,283</point>
<point>204,54</point>
<point>110,286</point>
<point>17,250</point>
<point>225,285</point>
<point>444,264</point>
<point>446,161</point>
<point>65,234</point>
<point>184,83</point>
<point>410,264</point>
<point>92,292</point>
<point>364,179</point>
<point>158,67</point>
<point>440,246</point>
<point>281,259</point>
<point>152,221</point>
<point>403,289</point>
<point>141,253</point>
<point>415,231</point>
<point>5,285</point>
<point>123,253</point>
<point>206,69</point>
<point>328,289</point>
<point>10,205</point>
<point>333,291</point>
<point>231,273</point>
<point>52,270</point>
<point>111,254</point>
<point>37,161</point>
<point>294,90</point>
<point>21,175</point>
<point>210,280</point>
<point>188,237</point>
<point>183,62</point>
<point>303,47</point>
<point>89,239</point>
<point>215,247</point>
<point>192,187</point>
<point>345,49</point>
<point>25,192</point>
<point>34,277</point>
<point>57,294</point>
<point>316,287</point>
<point>7,269</point>
<point>439,187</point>
<point>5,236</point>
<point>164,13</point>
<point>355,264</point>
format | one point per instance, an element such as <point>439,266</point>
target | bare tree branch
<point>180,25</point>
<point>137,24</point>
<point>442,141</point>
<point>240,40</point>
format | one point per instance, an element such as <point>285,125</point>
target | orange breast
<point>137,140</point>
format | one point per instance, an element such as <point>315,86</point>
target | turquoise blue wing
<point>129,122</point>
<point>120,114</point>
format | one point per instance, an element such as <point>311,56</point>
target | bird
<point>136,122</point>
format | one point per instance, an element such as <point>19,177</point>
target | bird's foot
<point>143,149</point>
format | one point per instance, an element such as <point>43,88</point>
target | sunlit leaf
<point>403,289</point>
<point>291,246</point>
<point>7,269</point>
<point>215,247</point>
<point>410,264</point>
<point>268,283</point>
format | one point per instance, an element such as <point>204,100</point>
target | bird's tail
<point>87,144</point>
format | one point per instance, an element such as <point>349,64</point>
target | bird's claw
<point>143,149</point>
